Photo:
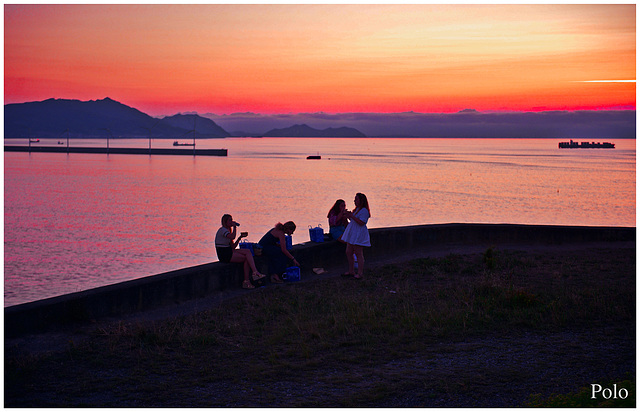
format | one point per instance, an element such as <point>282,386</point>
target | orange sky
<point>164,59</point>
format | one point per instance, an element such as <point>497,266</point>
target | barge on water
<point>585,145</point>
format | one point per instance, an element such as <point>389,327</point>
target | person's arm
<point>356,219</point>
<point>343,217</point>
<point>232,235</point>
<point>283,247</point>
<point>235,244</point>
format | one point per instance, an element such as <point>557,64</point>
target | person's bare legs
<point>247,270</point>
<point>239,257</point>
<point>359,251</point>
<point>244,255</point>
<point>350,258</point>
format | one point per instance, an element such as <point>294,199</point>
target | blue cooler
<point>292,274</point>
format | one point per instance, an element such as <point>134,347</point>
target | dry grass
<point>332,334</point>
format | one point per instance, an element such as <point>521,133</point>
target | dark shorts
<point>224,254</point>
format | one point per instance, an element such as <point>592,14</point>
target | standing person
<point>227,252</point>
<point>274,246</point>
<point>356,235</point>
<point>337,219</point>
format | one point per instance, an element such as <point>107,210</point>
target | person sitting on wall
<point>227,252</point>
<point>337,219</point>
<point>274,247</point>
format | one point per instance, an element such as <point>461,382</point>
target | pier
<point>117,150</point>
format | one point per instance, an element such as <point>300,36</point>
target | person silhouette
<point>356,235</point>
<point>227,252</point>
<point>274,247</point>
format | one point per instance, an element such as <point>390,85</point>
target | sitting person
<point>227,252</point>
<point>274,247</point>
<point>337,219</point>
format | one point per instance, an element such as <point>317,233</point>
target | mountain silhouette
<point>302,130</point>
<point>468,123</point>
<point>204,127</point>
<point>97,118</point>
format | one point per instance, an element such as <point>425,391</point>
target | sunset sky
<point>164,59</point>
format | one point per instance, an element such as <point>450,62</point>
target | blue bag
<point>289,241</point>
<point>248,245</point>
<point>292,274</point>
<point>316,234</point>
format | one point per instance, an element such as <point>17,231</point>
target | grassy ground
<point>492,329</point>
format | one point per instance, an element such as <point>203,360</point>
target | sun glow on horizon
<point>607,81</point>
<point>164,59</point>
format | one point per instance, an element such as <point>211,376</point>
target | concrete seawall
<point>204,280</point>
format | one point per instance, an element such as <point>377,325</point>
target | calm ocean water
<point>78,221</point>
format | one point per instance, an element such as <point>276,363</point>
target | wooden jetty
<point>117,150</point>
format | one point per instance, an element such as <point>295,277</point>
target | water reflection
<point>78,221</point>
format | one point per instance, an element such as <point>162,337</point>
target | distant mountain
<point>97,118</point>
<point>468,123</point>
<point>302,130</point>
<point>204,127</point>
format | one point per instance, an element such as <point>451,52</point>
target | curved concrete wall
<point>199,281</point>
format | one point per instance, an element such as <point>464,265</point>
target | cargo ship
<point>585,145</point>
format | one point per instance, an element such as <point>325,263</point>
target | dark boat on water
<point>585,145</point>
<point>314,157</point>
<point>176,143</point>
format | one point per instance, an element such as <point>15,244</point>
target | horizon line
<point>461,111</point>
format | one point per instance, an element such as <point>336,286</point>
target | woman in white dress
<point>356,235</point>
